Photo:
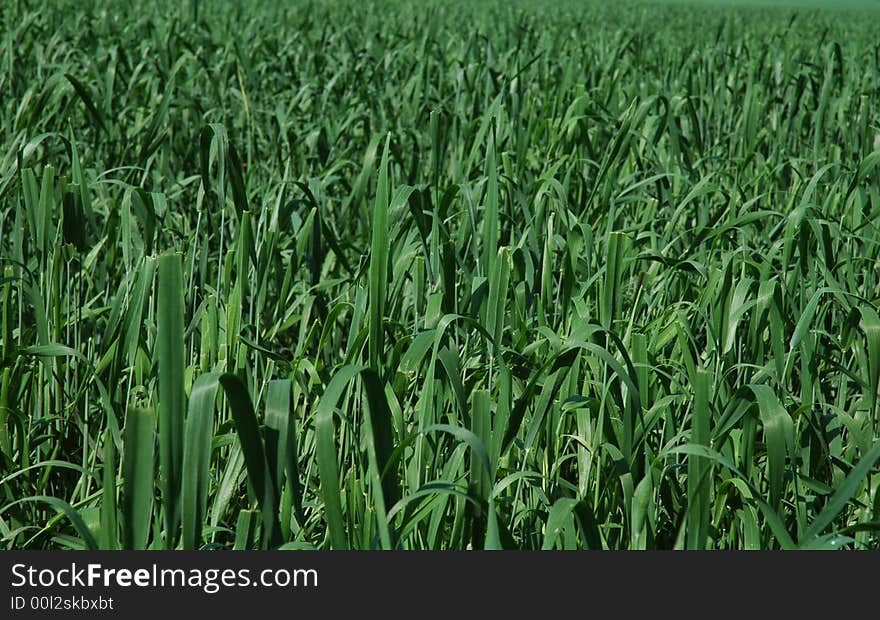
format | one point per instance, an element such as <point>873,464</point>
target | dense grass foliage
<point>396,275</point>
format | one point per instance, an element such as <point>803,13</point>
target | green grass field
<point>435,276</point>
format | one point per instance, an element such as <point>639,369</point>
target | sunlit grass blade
<point>378,273</point>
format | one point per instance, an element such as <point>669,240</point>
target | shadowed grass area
<point>438,276</point>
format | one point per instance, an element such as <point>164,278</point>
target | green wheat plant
<point>396,275</point>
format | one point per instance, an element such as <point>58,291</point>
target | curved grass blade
<point>779,432</point>
<point>844,493</point>
<point>69,511</point>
